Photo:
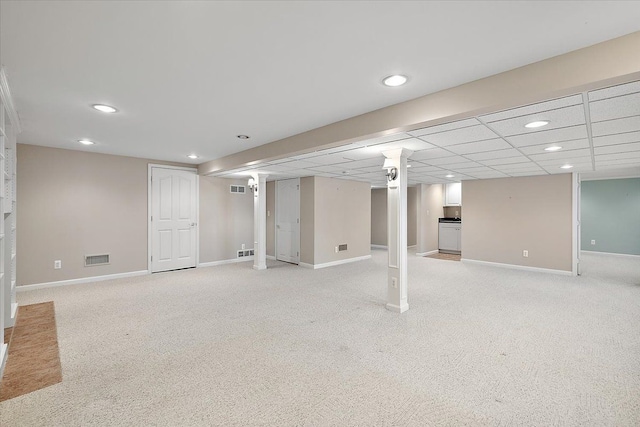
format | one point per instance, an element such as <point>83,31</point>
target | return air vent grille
<point>245,253</point>
<point>237,189</point>
<point>91,260</point>
<point>342,247</point>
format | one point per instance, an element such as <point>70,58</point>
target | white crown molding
<point>7,101</point>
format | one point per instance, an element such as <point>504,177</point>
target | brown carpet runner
<point>34,359</point>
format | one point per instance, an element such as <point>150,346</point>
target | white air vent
<point>342,247</point>
<point>245,253</point>
<point>237,189</point>
<point>90,260</point>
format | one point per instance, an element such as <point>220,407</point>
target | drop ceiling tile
<point>445,127</point>
<point>376,161</point>
<point>434,153</point>
<point>466,165</point>
<point>382,139</point>
<point>327,168</point>
<point>561,118</point>
<point>562,154</point>
<point>621,138</point>
<point>337,149</point>
<point>480,157</point>
<point>445,161</point>
<point>426,169</point>
<point>610,127</point>
<point>413,144</point>
<point>628,161</point>
<point>529,173</point>
<point>559,162</point>
<point>566,145</point>
<point>518,167</point>
<point>618,156</point>
<point>368,169</point>
<point>621,148</point>
<point>549,136</point>
<point>533,109</point>
<point>613,91</point>
<point>615,108</point>
<point>470,171</point>
<point>460,136</point>
<point>328,159</point>
<point>479,146</point>
<point>488,175</point>
<point>362,153</point>
<point>579,167</point>
<point>505,161</point>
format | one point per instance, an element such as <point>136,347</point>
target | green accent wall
<point>610,215</point>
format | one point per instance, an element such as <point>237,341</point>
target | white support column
<point>396,163</point>
<point>260,221</point>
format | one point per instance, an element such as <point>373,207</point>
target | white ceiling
<point>190,76</point>
<point>598,131</point>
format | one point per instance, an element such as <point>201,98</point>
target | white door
<point>173,219</point>
<point>288,220</point>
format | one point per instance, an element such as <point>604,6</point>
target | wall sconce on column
<point>392,171</point>
<point>253,185</point>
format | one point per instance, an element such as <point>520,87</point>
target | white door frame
<point>275,219</point>
<point>575,226</point>
<point>149,210</point>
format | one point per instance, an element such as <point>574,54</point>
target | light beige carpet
<point>231,346</point>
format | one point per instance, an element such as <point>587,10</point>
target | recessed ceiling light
<point>394,80</point>
<point>567,166</point>
<point>86,142</point>
<point>104,108</point>
<point>193,156</point>
<point>449,176</point>
<point>553,148</point>
<point>243,136</point>
<point>537,124</point>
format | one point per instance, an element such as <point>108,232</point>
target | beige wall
<point>271,218</point>
<point>412,215</point>
<point>73,203</point>
<point>379,216</point>
<point>429,208</point>
<point>342,214</point>
<point>505,216</point>
<point>307,219</point>
<point>226,219</point>
<point>450,211</point>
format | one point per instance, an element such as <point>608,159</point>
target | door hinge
<point>298,220</point>
<point>298,187</point>
<point>297,253</point>
<point>151,218</point>
<point>151,258</point>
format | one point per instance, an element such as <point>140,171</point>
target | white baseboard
<point>412,246</point>
<point>271,257</point>
<point>82,280</point>
<point>379,246</point>
<point>609,253</point>
<point>333,263</point>
<point>225,261</point>
<point>518,267</point>
<point>427,253</point>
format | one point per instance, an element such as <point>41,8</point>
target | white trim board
<point>80,281</point>
<point>226,261</point>
<point>427,253</point>
<point>609,253</point>
<point>518,267</point>
<point>7,101</point>
<point>333,263</point>
<point>379,246</point>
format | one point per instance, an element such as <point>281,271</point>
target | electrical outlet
<point>525,253</point>
<point>57,264</point>
<point>593,242</point>
<point>336,249</point>
<point>427,212</point>
<point>243,246</point>
<point>394,282</point>
<point>268,213</point>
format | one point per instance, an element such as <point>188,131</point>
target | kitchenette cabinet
<point>453,194</point>
<point>449,234</point>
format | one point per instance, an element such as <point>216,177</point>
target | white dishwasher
<point>449,231</point>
